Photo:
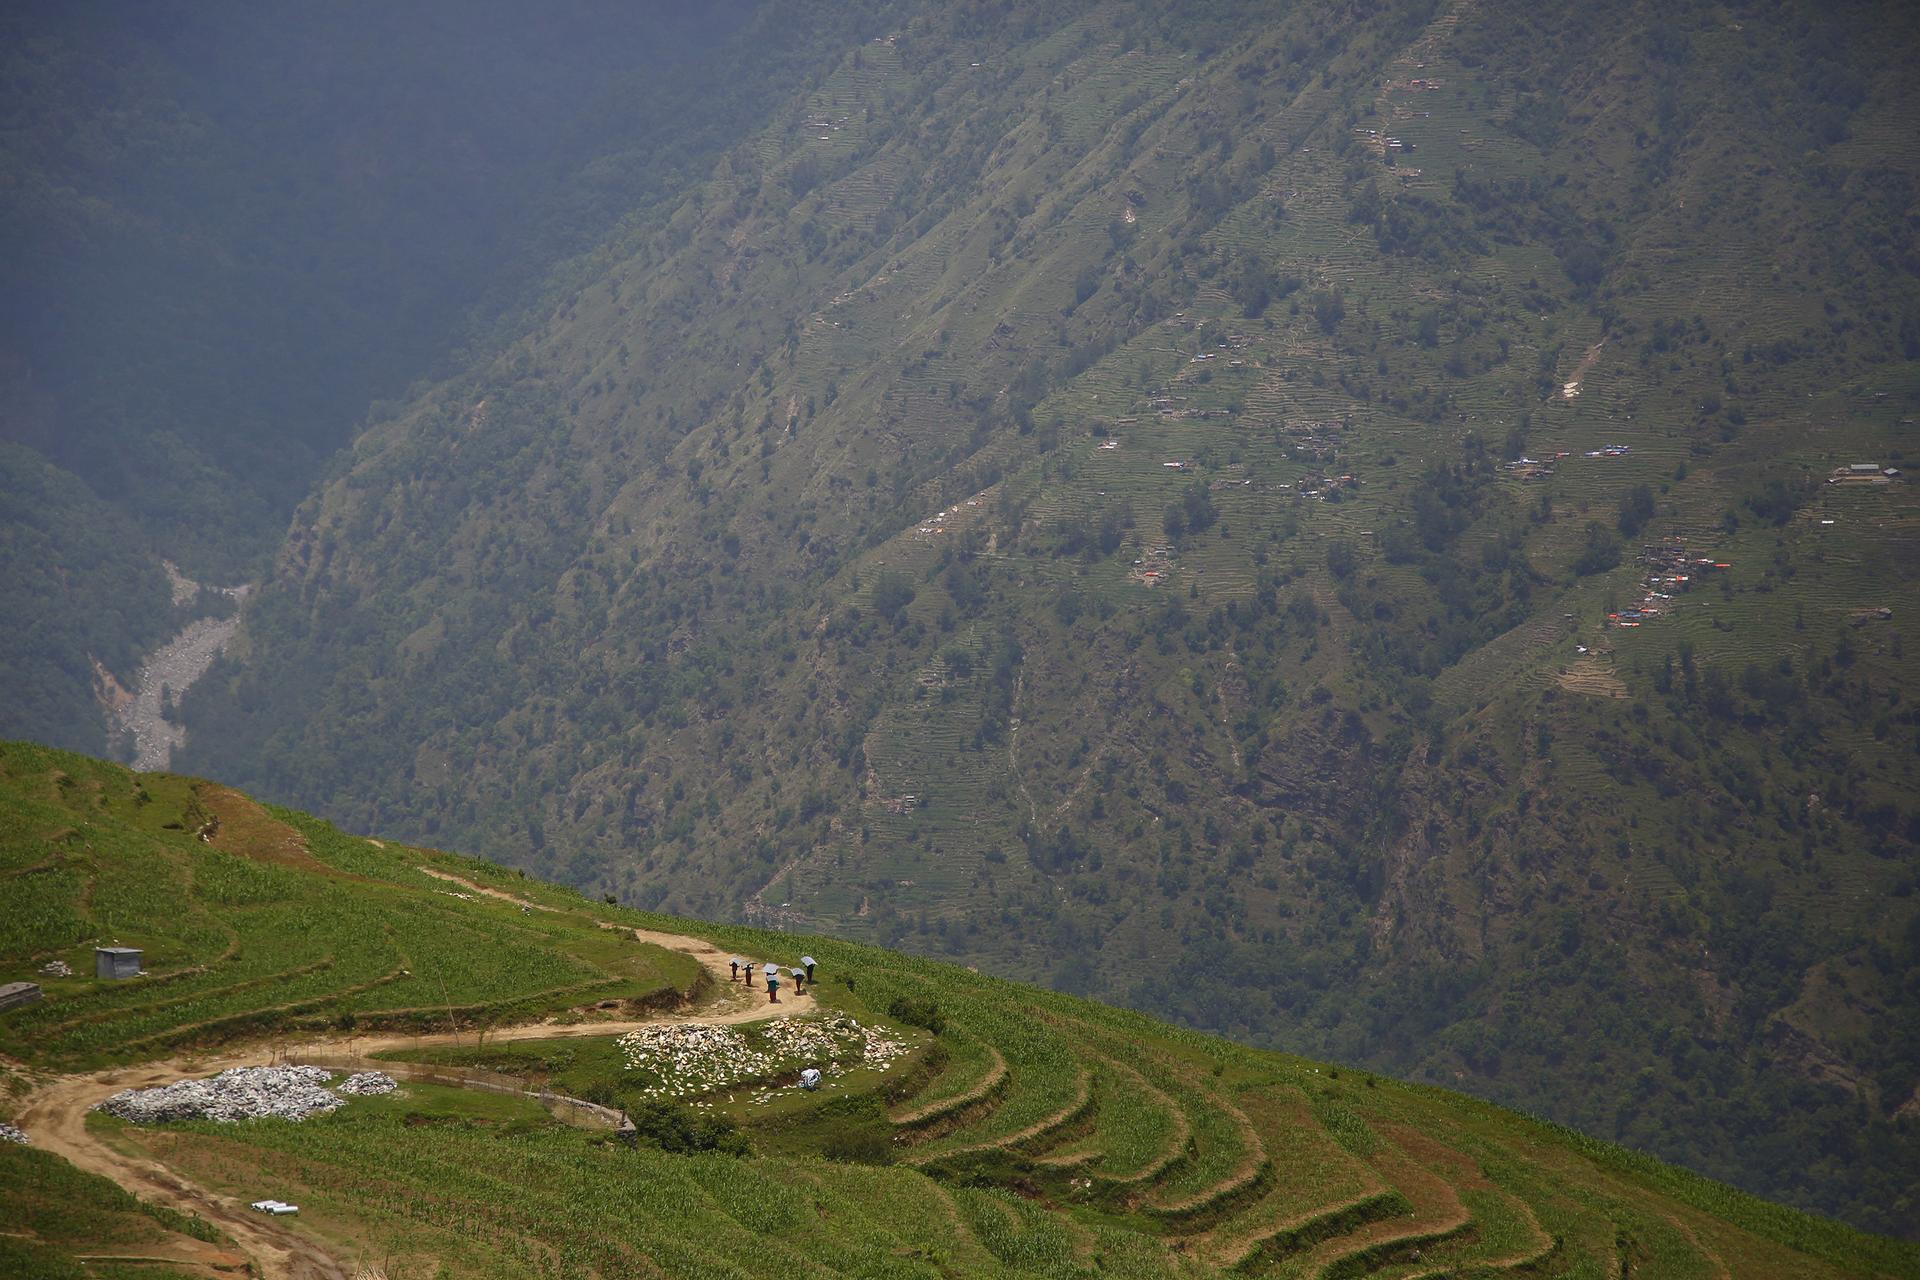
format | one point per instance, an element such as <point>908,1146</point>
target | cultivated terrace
<point>969,1127</point>
<point>1312,523</point>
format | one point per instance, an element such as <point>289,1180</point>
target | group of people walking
<point>774,975</point>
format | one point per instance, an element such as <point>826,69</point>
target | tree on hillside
<point>1601,553</point>
<point>892,593</point>
<point>1329,308</point>
<point>1635,510</point>
<point>1194,513</point>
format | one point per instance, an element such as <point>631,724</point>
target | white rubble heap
<point>244,1093</point>
<point>364,1084</point>
<point>10,1134</point>
<point>57,969</point>
<point>693,1058</point>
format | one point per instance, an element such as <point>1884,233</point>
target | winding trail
<point>1013,746</point>
<point>715,961</point>
<point>1570,389</point>
<point>56,1119</point>
<point>55,1115</point>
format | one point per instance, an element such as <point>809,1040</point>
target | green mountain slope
<point>1312,524</point>
<point>236,226</point>
<point>233,228</point>
<point>1014,1132</point>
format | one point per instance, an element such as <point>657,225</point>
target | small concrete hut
<point>114,963</point>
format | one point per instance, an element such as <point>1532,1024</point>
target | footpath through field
<point>55,1115</point>
<point>711,958</point>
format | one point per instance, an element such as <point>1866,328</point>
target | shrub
<point>679,1131</point>
<point>918,1013</point>
<point>864,1145</point>
<point>1601,553</point>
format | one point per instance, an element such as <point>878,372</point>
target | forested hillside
<point>234,227</point>
<point>1316,523</point>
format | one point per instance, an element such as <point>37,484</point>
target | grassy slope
<point>57,1215</point>
<point>285,923</point>
<point>779,571</point>
<point>1291,1166</point>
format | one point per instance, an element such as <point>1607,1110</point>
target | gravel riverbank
<point>170,671</point>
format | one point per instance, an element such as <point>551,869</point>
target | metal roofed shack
<point>114,963</point>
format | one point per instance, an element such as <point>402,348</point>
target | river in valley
<point>169,671</point>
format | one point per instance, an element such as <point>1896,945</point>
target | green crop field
<point>1002,1130</point>
<point>63,1224</point>
<point>1318,523</point>
<point>252,921</point>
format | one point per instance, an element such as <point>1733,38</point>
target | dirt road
<point>714,960</point>
<point>55,1116</point>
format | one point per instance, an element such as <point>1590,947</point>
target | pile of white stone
<point>836,1039</point>
<point>692,1057</point>
<point>10,1134</point>
<point>688,1059</point>
<point>365,1084</point>
<point>244,1093</point>
<point>57,969</point>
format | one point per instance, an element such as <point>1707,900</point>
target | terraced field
<point>1253,644</point>
<point>1011,1131</point>
<point>1059,1134</point>
<point>252,920</point>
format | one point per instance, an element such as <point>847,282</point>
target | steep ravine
<point>147,735</point>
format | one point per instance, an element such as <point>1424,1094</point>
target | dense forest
<point>1349,527</point>
<point>241,229</point>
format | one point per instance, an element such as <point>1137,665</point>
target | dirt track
<point>55,1116</point>
<point>1571,388</point>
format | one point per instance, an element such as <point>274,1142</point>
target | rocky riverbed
<point>169,672</point>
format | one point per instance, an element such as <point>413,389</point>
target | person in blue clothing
<point>773,985</point>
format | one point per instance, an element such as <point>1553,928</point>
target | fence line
<point>577,1112</point>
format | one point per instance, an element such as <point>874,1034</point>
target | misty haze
<point>1032,638</point>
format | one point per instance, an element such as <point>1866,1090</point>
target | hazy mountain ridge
<point>238,227</point>
<point>781,569</point>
